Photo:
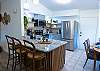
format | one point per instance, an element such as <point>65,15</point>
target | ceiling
<point>75,4</point>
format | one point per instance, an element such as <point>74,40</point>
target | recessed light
<point>63,1</point>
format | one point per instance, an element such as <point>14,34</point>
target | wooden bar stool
<point>11,51</point>
<point>19,53</point>
<point>35,61</point>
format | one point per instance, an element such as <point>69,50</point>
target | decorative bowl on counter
<point>44,42</point>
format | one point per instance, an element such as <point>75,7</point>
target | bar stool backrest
<point>16,41</point>
<point>10,42</point>
<point>17,44</point>
<point>30,46</point>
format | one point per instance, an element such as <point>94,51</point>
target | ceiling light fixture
<point>36,2</point>
<point>63,1</point>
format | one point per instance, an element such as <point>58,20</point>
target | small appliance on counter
<point>30,33</point>
<point>38,32</point>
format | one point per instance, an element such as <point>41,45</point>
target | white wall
<point>66,12</point>
<point>98,32</point>
<point>38,8</point>
<point>88,22</point>
<point>22,17</point>
<point>34,8</point>
<point>88,25</point>
<point>0,24</point>
<point>13,8</point>
<point>72,14</point>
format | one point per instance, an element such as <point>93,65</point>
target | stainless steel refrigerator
<point>70,34</point>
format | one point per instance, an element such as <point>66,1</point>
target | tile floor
<point>74,61</point>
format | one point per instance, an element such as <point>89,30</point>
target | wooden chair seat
<point>37,56</point>
<point>22,48</point>
<point>34,60</point>
<point>18,51</point>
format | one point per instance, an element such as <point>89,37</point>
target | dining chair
<point>10,51</point>
<point>89,52</point>
<point>35,60</point>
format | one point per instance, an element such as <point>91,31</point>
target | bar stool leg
<point>8,59</point>
<point>20,61</point>
<point>8,63</point>
<point>44,64</point>
<point>13,64</point>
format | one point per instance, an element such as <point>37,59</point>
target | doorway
<point>88,27</point>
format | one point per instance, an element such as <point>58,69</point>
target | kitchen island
<point>55,53</point>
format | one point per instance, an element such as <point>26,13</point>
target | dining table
<point>96,50</point>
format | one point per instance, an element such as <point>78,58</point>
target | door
<point>88,28</point>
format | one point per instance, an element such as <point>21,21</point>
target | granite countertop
<point>48,47</point>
